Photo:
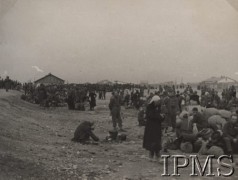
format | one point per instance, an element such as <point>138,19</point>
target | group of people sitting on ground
<point>196,129</point>
<point>208,132</point>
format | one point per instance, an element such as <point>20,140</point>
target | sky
<point>127,40</point>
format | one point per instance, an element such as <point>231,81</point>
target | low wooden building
<point>219,82</point>
<point>49,79</point>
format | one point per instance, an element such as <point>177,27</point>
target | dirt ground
<point>35,143</point>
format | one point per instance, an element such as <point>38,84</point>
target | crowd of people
<point>197,128</point>
<point>8,84</point>
<point>46,96</point>
<point>211,98</point>
<point>205,123</point>
<point>75,96</point>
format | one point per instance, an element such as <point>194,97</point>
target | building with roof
<point>105,82</point>
<point>219,82</point>
<point>49,79</point>
<point>120,82</point>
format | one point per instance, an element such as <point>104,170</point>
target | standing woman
<point>153,132</point>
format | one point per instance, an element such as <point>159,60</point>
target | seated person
<point>184,129</point>
<point>83,133</point>
<point>216,140</point>
<point>230,135</point>
<point>214,145</point>
<point>199,119</point>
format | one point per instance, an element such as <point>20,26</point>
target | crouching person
<point>230,135</point>
<point>84,132</point>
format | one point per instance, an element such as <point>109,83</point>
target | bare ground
<point>35,143</point>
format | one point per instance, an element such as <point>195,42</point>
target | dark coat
<point>7,84</point>
<point>42,94</point>
<point>71,99</point>
<point>141,118</point>
<point>153,132</point>
<point>115,104</point>
<point>230,130</point>
<point>173,105</point>
<point>84,132</point>
<point>195,97</point>
<point>200,120</point>
<point>92,99</point>
<point>216,140</point>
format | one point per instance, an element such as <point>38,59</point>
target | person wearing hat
<point>153,131</point>
<point>230,134</point>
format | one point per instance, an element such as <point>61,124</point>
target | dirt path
<point>35,144</point>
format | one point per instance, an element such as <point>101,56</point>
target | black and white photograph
<point>118,89</point>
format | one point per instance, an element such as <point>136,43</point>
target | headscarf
<point>154,99</point>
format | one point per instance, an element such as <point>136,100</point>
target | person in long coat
<point>71,99</point>
<point>92,96</point>
<point>115,111</point>
<point>7,83</point>
<point>153,131</point>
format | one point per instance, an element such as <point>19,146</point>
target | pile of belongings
<point>189,140</point>
<point>114,136</point>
